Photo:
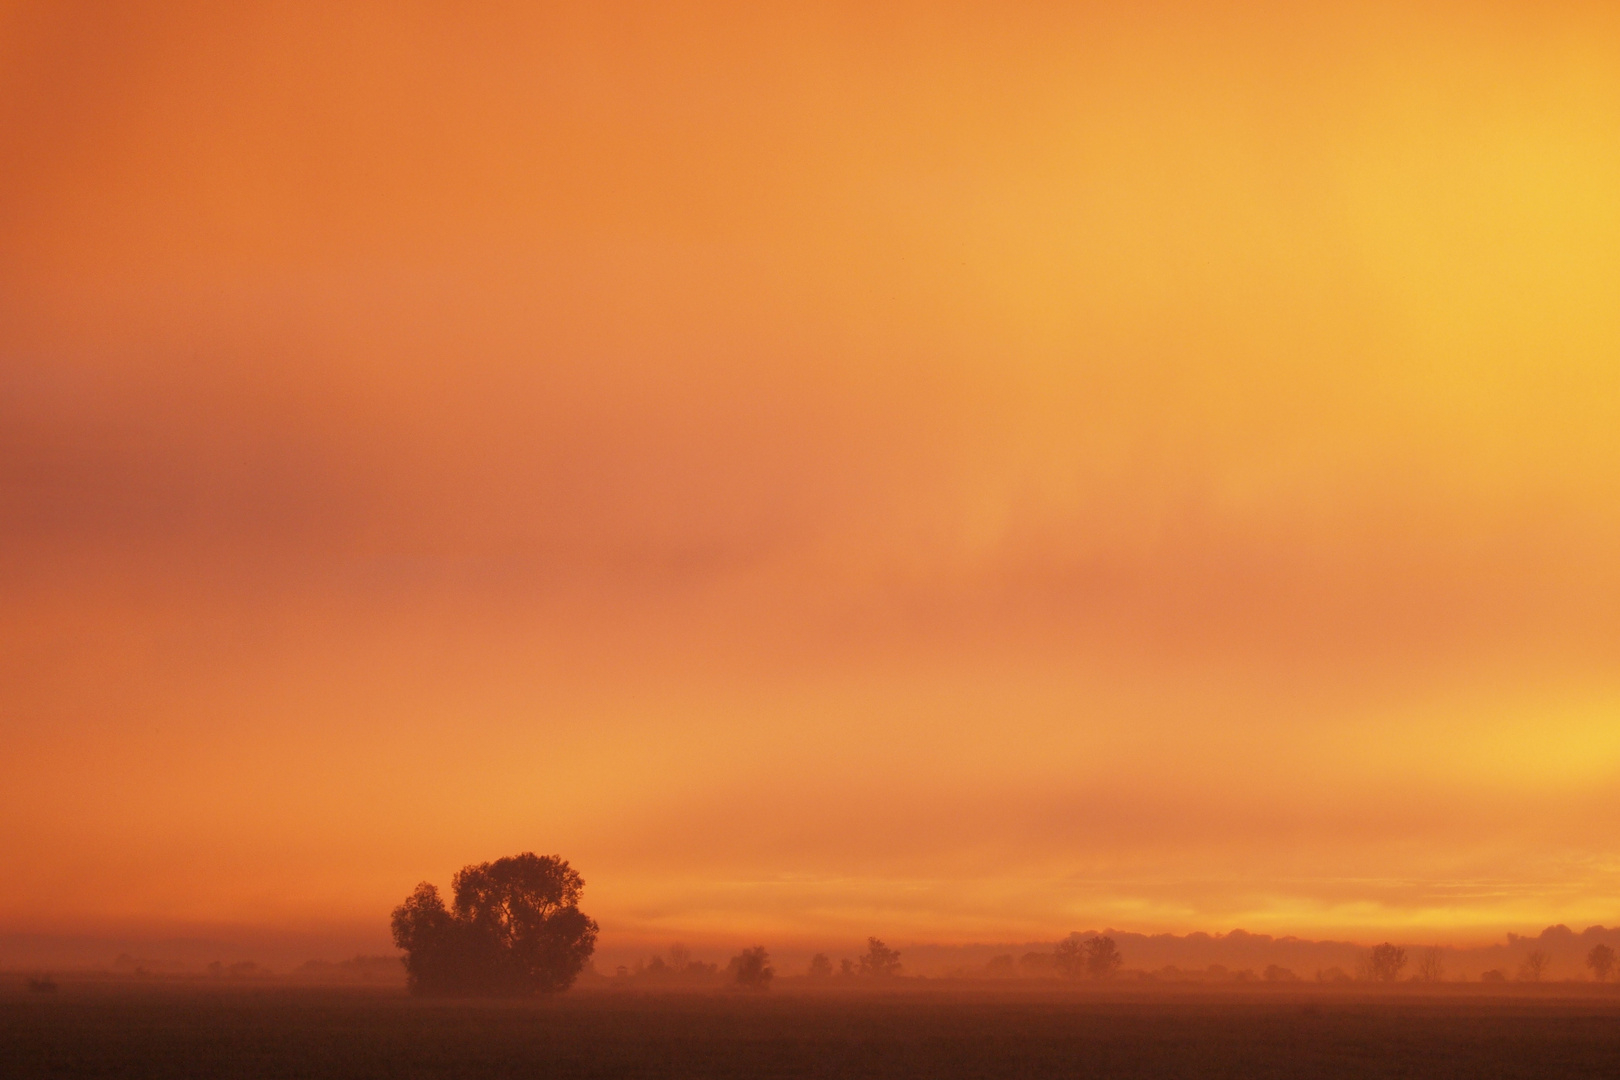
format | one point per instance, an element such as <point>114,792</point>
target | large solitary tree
<point>514,928</point>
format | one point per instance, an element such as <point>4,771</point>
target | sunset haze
<point>951,472</point>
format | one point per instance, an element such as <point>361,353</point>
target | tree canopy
<point>1096,958</point>
<point>513,928</point>
<point>1601,961</point>
<point>880,960</point>
<point>1385,962</point>
<point>751,969</point>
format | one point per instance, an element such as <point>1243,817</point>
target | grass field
<point>191,1030</point>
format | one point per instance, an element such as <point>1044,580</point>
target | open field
<point>191,1030</point>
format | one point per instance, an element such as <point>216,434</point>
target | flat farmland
<point>105,1030</point>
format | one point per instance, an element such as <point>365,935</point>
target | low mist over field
<point>1233,959</point>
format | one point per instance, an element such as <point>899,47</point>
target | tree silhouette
<point>1096,958</point>
<point>1535,966</point>
<point>879,959</point>
<point>752,968</point>
<point>1431,965</point>
<point>820,966</point>
<point>514,928</point>
<point>1601,961</point>
<point>680,965</point>
<point>1069,958</point>
<point>1102,958</point>
<point>1385,962</point>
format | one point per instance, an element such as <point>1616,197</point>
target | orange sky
<point>943,471</point>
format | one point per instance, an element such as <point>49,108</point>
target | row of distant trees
<point>751,968</point>
<point>1095,958</point>
<point>1098,958</point>
<point>879,961</point>
<point>1386,962</point>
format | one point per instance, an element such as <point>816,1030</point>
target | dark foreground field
<point>281,1032</point>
